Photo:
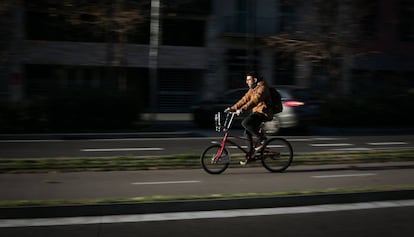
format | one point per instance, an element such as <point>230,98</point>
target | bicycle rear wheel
<point>209,162</point>
<point>277,155</point>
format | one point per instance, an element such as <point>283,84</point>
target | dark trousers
<point>251,125</point>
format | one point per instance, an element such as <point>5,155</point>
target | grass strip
<point>186,161</point>
<point>62,202</point>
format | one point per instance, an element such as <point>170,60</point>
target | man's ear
<point>255,80</point>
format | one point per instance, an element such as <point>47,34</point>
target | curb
<point>200,205</point>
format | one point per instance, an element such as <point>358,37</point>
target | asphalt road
<point>98,147</point>
<point>383,218</point>
<point>361,219</point>
<point>116,184</point>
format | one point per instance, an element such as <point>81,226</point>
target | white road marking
<point>31,141</point>
<point>330,144</point>
<point>235,147</point>
<point>167,182</point>
<point>155,139</point>
<point>315,139</point>
<point>6,223</point>
<point>328,138</point>
<point>386,143</point>
<point>394,148</point>
<point>278,146</point>
<point>245,147</point>
<point>342,175</point>
<point>300,139</point>
<point>123,149</point>
<point>352,149</point>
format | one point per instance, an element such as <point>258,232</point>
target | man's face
<point>250,81</point>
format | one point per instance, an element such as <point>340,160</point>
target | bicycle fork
<point>220,151</point>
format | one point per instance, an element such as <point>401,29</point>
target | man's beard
<point>253,86</point>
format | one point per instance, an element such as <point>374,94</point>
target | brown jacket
<point>255,99</point>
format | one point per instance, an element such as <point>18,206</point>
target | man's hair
<point>254,75</point>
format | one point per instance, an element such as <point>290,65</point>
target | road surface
<point>55,148</point>
<point>376,219</point>
<point>115,184</point>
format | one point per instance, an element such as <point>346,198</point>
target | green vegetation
<point>185,161</point>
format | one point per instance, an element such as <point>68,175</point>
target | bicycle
<point>276,154</point>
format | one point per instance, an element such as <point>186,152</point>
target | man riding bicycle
<point>257,99</point>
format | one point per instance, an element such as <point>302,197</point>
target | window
<point>183,32</point>
<point>239,62</point>
<point>287,19</point>
<point>244,16</point>
<point>49,20</point>
<point>366,13</point>
<point>58,80</point>
<point>178,89</point>
<point>186,7</point>
<point>84,21</point>
<point>406,20</point>
<point>284,66</point>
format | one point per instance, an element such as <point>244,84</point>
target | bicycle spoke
<point>213,164</point>
<point>277,155</point>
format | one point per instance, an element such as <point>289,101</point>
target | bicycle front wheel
<point>213,164</point>
<point>277,155</point>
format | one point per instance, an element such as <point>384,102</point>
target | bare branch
<point>313,50</point>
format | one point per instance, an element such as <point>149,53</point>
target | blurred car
<point>300,108</point>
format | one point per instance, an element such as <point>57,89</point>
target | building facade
<point>205,48</point>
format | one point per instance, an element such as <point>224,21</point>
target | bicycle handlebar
<point>231,112</point>
<point>227,121</point>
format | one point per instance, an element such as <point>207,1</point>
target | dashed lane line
<point>123,149</point>
<point>352,149</point>
<point>342,175</point>
<point>167,182</point>
<point>387,143</point>
<point>330,144</point>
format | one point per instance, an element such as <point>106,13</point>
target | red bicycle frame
<point>226,127</point>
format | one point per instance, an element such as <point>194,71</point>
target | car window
<point>283,93</point>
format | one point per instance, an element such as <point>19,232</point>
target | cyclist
<point>256,99</point>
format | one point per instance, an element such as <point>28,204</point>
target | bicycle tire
<point>208,163</point>
<point>277,155</point>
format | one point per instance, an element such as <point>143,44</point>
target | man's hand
<point>238,111</point>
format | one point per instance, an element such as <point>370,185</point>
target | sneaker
<point>261,143</point>
<point>243,162</point>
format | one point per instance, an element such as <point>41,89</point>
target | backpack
<point>275,100</point>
